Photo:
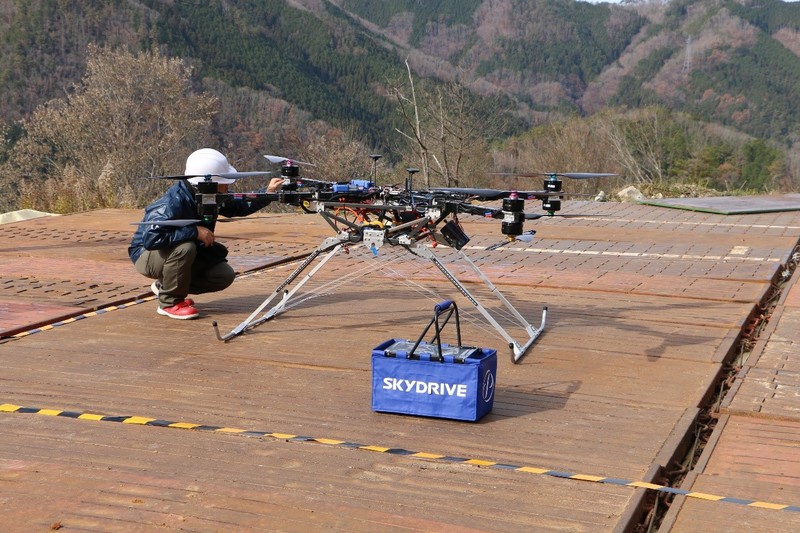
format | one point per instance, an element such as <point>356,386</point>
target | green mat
<point>732,205</point>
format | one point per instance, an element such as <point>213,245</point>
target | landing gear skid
<point>374,239</point>
<point>330,247</point>
<point>517,350</point>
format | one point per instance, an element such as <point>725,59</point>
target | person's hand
<point>205,236</point>
<point>275,184</point>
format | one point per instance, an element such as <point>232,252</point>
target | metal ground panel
<point>614,217</point>
<point>755,462</point>
<point>309,378</point>
<point>49,267</point>
<point>284,435</point>
<point>754,453</point>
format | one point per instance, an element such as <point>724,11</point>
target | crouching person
<point>184,260</point>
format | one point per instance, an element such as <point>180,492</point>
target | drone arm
<point>331,218</point>
<point>479,210</point>
<point>413,228</point>
<point>241,205</point>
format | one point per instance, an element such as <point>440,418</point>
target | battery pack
<point>434,379</point>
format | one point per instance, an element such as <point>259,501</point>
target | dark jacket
<point>179,203</point>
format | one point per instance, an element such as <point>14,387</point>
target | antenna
<point>410,178</point>
<point>410,183</point>
<point>375,158</point>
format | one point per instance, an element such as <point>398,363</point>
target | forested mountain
<point>734,62</point>
<point>283,68</point>
<point>724,60</point>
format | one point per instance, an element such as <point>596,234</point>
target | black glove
<point>215,251</point>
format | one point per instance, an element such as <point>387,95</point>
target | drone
<point>362,213</point>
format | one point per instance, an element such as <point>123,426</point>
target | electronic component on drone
<point>553,184</point>
<point>352,186</point>
<point>551,205</point>
<point>289,169</point>
<point>410,179</point>
<point>454,234</point>
<point>374,170</point>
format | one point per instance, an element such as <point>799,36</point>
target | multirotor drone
<point>362,213</point>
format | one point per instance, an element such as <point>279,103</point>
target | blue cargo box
<point>456,383</point>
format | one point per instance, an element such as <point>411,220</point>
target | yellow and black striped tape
<point>70,320</point>
<point>144,421</point>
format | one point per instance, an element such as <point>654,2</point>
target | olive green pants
<point>181,271</point>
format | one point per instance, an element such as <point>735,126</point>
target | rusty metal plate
<point>18,314</point>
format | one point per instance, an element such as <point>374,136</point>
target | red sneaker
<point>181,310</point>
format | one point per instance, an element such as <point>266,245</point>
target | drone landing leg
<point>533,332</point>
<point>330,245</point>
<point>518,350</point>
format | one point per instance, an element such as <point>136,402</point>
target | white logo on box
<point>435,388</point>
<point>488,386</point>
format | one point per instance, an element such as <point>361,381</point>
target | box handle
<point>451,308</point>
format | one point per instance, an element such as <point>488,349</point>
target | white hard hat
<point>208,162</point>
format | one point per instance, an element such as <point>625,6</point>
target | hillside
<point>544,53</point>
<point>721,60</point>
<point>732,62</point>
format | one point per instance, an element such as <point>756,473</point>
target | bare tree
<point>638,142</point>
<point>448,128</point>
<point>131,116</point>
<point>337,156</point>
<point>466,125</point>
<point>643,145</point>
<point>410,109</point>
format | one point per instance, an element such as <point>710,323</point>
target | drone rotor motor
<point>207,199</point>
<point>551,205</point>
<point>290,170</point>
<point>553,184</point>
<point>513,216</point>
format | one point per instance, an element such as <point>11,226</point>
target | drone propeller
<point>572,175</point>
<point>525,237</point>
<point>536,216</point>
<point>491,194</point>
<point>278,160</point>
<point>179,223</point>
<point>225,175</point>
<point>579,175</point>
